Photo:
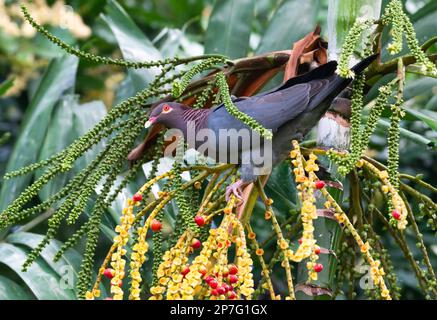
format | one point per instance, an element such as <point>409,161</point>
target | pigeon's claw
<point>235,189</point>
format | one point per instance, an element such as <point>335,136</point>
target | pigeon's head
<point>168,114</point>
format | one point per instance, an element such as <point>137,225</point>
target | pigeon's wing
<point>324,71</point>
<point>271,110</point>
<point>274,109</point>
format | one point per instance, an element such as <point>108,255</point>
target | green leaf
<point>40,278</point>
<point>69,262</point>
<point>60,134</point>
<point>132,42</point>
<point>431,104</point>
<point>427,9</point>
<point>428,117</point>
<point>229,28</point>
<point>425,27</point>
<point>58,78</point>
<point>42,47</point>
<point>175,42</point>
<point>9,290</point>
<point>6,85</point>
<point>282,189</point>
<point>415,88</point>
<point>85,116</point>
<point>291,21</point>
<point>329,228</point>
<point>120,201</point>
<point>383,126</point>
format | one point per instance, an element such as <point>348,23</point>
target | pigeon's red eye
<point>166,108</point>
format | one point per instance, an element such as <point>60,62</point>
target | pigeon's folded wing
<point>271,110</point>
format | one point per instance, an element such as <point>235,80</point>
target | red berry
<point>232,295</point>
<point>320,184</point>
<point>200,221</point>
<point>233,269</point>
<point>208,279</point>
<point>156,225</point>
<point>233,278</point>
<point>396,215</point>
<point>221,290</point>
<point>109,273</point>
<point>227,287</point>
<point>214,292</point>
<point>300,241</point>
<point>185,271</point>
<point>318,267</point>
<point>202,270</point>
<point>317,250</point>
<point>137,197</point>
<point>196,244</point>
<point>213,284</point>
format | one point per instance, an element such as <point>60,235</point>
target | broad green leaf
<point>160,14</point>
<point>120,201</point>
<point>419,86</point>
<point>229,28</point>
<point>427,9</point>
<point>6,85</point>
<point>85,116</point>
<point>282,189</point>
<point>432,104</point>
<point>383,126</point>
<point>425,27</point>
<point>418,69</point>
<point>58,78</point>
<point>342,15</point>
<point>428,117</point>
<point>47,49</point>
<point>132,42</point>
<point>59,135</point>
<point>124,90</point>
<point>9,290</point>
<point>40,278</point>
<point>174,42</point>
<point>327,233</point>
<point>69,263</point>
<point>169,42</point>
<point>107,231</point>
<point>291,21</point>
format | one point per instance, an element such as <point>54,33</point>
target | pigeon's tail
<point>363,64</point>
<point>322,101</point>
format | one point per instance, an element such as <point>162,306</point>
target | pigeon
<point>290,111</point>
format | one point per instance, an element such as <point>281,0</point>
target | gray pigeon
<point>289,111</point>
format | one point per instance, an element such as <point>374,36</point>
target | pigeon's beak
<point>149,122</point>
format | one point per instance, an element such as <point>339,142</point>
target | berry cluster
<point>224,289</point>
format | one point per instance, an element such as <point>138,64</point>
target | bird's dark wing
<point>321,72</point>
<point>271,110</point>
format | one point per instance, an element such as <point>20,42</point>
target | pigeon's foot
<point>236,189</point>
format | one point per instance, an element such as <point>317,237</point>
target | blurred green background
<point>55,102</point>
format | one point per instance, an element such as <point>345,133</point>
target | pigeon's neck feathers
<point>198,116</point>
